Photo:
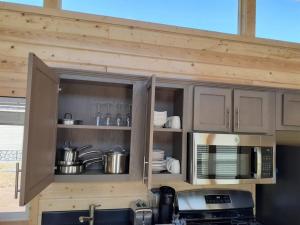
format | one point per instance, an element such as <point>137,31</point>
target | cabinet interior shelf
<point>160,129</point>
<point>93,127</point>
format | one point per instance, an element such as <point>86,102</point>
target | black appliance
<point>279,204</point>
<point>166,204</point>
<point>220,207</point>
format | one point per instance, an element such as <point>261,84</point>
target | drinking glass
<point>128,115</point>
<point>108,116</point>
<point>100,114</point>
<point>119,121</point>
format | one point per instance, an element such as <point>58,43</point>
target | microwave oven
<point>231,158</point>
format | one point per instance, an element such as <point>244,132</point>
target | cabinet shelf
<point>92,127</point>
<point>166,177</point>
<point>91,177</point>
<point>160,129</point>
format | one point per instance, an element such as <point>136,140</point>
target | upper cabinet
<point>287,111</point>
<point>233,110</point>
<point>253,111</point>
<point>108,112</point>
<point>40,129</point>
<point>212,109</point>
<point>168,100</point>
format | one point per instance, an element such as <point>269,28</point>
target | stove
<point>215,207</point>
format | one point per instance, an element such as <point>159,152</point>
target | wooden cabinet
<point>287,111</point>
<point>246,111</point>
<point>39,130</point>
<point>253,111</point>
<point>173,99</point>
<point>212,109</point>
<point>51,94</point>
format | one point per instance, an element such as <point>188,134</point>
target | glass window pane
<point>213,15</point>
<point>11,143</point>
<point>26,2</point>
<point>278,19</point>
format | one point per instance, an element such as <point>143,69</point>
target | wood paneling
<point>104,44</point>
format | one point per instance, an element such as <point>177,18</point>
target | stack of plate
<point>159,163</point>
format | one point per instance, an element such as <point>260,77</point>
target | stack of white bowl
<point>159,163</point>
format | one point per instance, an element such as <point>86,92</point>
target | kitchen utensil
<point>173,165</point>
<point>71,153</point>
<point>68,120</point>
<point>76,167</point>
<point>173,122</point>
<point>160,118</point>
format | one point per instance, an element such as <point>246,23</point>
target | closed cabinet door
<point>40,130</point>
<point>212,109</point>
<point>147,173</point>
<point>288,111</point>
<point>252,112</point>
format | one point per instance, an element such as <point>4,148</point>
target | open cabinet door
<point>149,131</point>
<point>40,129</point>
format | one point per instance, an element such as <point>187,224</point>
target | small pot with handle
<point>71,154</point>
<point>115,162</point>
<point>68,120</point>
<point>78,167</point>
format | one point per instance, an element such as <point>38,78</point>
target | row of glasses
<point>109,114</point>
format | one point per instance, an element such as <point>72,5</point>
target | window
<point>213,15</point>
<point>26,2</point>
<point>278,19</point>
<point>12,112</point>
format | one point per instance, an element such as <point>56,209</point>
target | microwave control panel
<point>267,162</point>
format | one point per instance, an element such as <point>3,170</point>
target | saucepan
<point>115,160</point>
<point>72,154</point>
<point>78,167</point>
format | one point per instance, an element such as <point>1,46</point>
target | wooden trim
<point>247,18</point>
<point>52,4</point>
<point>144,25</point>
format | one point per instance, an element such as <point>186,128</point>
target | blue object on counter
<point>102,217</point>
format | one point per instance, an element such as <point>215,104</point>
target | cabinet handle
<point>144,170</point>
<point>238,118</point>
<point>228,119</point>
<point>18,171</point>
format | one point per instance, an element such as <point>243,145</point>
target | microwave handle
<point>258,162</point>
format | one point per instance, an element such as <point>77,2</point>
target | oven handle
<point>257,150</point>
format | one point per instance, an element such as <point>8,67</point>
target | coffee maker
<point>166,204</point>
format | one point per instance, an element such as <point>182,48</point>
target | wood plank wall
<point>70,40</point>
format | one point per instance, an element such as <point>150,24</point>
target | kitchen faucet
<point>91,216</point>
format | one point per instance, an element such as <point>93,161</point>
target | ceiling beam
<point>247,18</point>
<point>52,4</point>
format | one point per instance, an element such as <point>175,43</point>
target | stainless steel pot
<point>71,154</point>
<point>64,167</point>
<point>115,162</point>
